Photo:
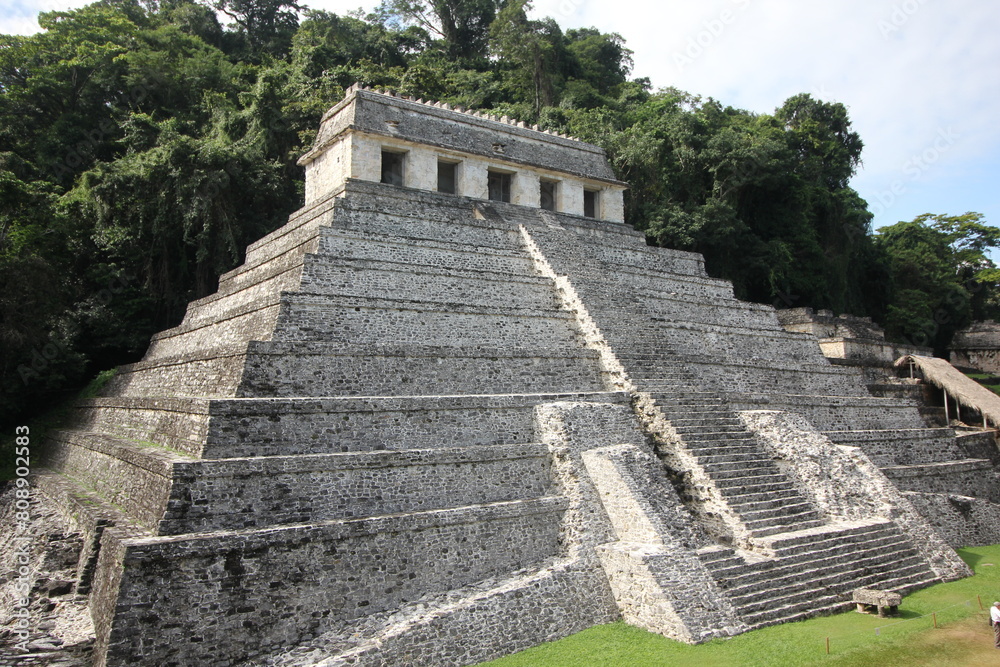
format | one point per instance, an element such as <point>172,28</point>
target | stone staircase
<point>749,482</point>
<point>813,570</point>
<point>687,345</point>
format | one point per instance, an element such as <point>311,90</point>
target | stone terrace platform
<point>432,429</point>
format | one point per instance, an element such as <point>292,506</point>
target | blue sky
<point>921,78</point>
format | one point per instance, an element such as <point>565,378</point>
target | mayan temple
<point>455,408</point>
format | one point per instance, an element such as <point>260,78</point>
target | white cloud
<point>908,70</point>
<point>21,16</point>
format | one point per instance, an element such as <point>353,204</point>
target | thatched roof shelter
<point>956,385</point>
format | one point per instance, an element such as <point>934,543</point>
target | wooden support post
<point>947,414</point>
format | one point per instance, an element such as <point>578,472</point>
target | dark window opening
<point>590,203</point>
<point>549,195</point>
<point>392,168</point>
<point>499,185</point>
<point>447,177</point>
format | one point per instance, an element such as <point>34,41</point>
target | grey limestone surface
<point>428,429</point>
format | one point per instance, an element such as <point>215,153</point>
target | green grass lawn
<point>963,636</point>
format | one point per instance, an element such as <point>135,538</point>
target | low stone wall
<point>960,520</point>
<point>259,492</point>
<point>971,477</point>
<point>361,320</point>
<point>511,615</point>
<point>325,369</point>
<point>301,426</point>
<point>220,598</point>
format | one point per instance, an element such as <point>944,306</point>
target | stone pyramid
<point>450,412</point>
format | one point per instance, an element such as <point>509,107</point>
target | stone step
<point>715,443</point>
<point>179,424</point>
<point>267,271</point>
<point>783,524</point>
<point>751,502</point>
<point>810,540</point>
<point>402,634</point>
<point>804,591</point>
<point>246,427</point>
<point>699,446</point>
<point>209,372</point>
<point>716,554</point>
<point>243,493</point>
<point>699,413</point>
<point>226,304</point>
<point>387,214</point>
<point>134,476</point>
<point>679,405</point>
<point>314,369</point>
<point>712,421</point>
<point>893,556</point>
<point>746,460</point>
<point>301,225</point>
<point>336,244</point>
<point>388,561</point>
<point>819,605</point>
<point>645,260</point>
<point>727,471</point>
<point>628,285</point>
<point>229,327</point>
<point>713,431</point>
<point>401,280</point>
<point>360,320</point>
<point>843,545</point>
<point>789,509</point>
<point>731,455</point>
<point>741,486</point>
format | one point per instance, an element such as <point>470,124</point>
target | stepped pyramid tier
<point>455,408</point>
<point>950,476</point>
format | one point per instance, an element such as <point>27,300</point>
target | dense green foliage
<point>941,277</point>
<point>144,144</point>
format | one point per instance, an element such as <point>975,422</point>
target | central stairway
<point>745,476</point>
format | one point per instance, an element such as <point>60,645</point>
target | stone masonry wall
<point>273,581</point>
<point>962,521</point>
<point>246,493</point>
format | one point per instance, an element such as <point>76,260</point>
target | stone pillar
<point>526,189</point>
<point>472,181</point>
<point>569,195</point>
<point>420,169</point>
<point>613,204</point>
<point>366,158</point>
